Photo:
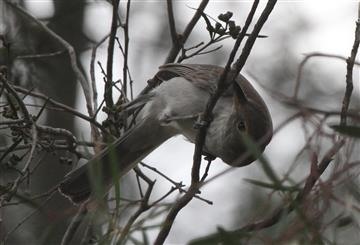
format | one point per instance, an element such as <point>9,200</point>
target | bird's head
<point>249,127</point>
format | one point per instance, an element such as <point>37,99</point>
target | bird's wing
<point>202,76</point>
<point>206,77</point>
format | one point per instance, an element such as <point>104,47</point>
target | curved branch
<point>73,60</point>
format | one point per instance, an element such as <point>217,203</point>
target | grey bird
<point>173,108</point>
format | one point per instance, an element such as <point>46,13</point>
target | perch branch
<point>349,71</point>
<point>206,118</point>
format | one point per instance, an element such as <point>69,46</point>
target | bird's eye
<point>241,126</point>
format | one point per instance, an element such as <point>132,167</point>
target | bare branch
<point>37,56</point>
<point>206,117</point>
<point>349,71</point>
<point>12,91</point>
<point>221,86</point>
<point>126,49</point>
<point>144,206</point>
<point>27,217</point>
<point>109,67</point>
<point>174,35</point>
<point>184,36</point>
<point>74,225</point>
<point>73,60</point>
<point>175,49</point>
<point>59,105</point>
<point>297,201</point>
<point>305,60</point>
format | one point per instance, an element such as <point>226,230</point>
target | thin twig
<point>221,86</point>
<point>126,48</point>
<point>38,56</point>
<point>144,206</point>
<point>74,225</point>
<point>305,60</point>
<point>131,81</point>
<point>177,185</point>
<point>184,36</point>
<point>12,91</point>
<point>92,72</point>
<point>175,49</point>
<point>60,105</point>
<point>109,66</point>
<point>17,121</point>
<point>349,71</point>
<point>73,59</point>
<point>172,25</point>
<point>275,217</point>
<point>206,117</point>
<point>167,224</point>
<point>25,169</point>
<point>27,217</point>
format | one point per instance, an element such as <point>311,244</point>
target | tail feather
<point>114,161</point>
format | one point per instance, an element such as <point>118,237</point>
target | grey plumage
<point>172,108</point>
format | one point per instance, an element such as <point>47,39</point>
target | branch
<point>109,67</point>
<point>38,56</point>
<point>12,91</point>
<point>74,225</point>
<point>176,47</point>
<point>221,87</point>
<point>173,32</point>
<point>126,48</point>
<point>206,118</point>
<point>349,71</point>
<point>252,38</point>
<point>73,60</point>
<point>314,175</point>
<point>59,105</point>
<point>25,170</point>
<point>27,217</point>
<point>177,185</point>
<point>305,60</point>
<point>170,218</point>
<point>144,206</point>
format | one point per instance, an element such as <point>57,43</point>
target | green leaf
<point>352,131</point>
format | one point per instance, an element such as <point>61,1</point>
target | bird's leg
<point>208,156</point>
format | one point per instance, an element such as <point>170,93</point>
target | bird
<point>172,108</point>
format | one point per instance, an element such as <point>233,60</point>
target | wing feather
<point>202,76</point>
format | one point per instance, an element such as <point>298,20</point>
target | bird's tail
<point>96,176</point>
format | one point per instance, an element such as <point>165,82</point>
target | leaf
<point>352,131</point>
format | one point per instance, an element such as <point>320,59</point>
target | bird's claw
<point>201,122</point>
